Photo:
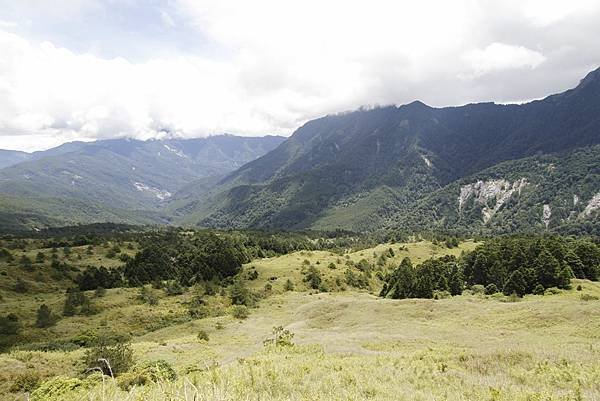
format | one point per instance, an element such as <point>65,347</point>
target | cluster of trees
<point>512,265</point>
<point>442,274</point>
<point>187,258</point>
<point>94,277</point>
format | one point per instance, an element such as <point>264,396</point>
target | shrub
<point>40,257</point>
<point>21,286</point>
<point>588,297</point>
<point>25,382</point>
<point>100,292</point>
<point>491,289</point>
<point>552,291</point>
<point>111,359</point>
<point>172,287</point>
<point>253,275</point>
<point>147,372</point>
<point>240,311</point>
<point>199,312</point>
<point>44,317</point>
<point>478,289</point>
<point>202,335</point>
<point>55,389</point>
<point>332,266</point>
<point>437,294</point>
<point>281,338</point>
<point>239,294</point>
<point>313,278</point>
<point>538,290</point>
<point>9,324</point>
<point>147,296</point>
<point>579,287</point>
<point>289,285</point>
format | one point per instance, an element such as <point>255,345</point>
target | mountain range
<point>474,168</point>
<point>121,180</point>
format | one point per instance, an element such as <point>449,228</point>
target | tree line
<point>511,265</point>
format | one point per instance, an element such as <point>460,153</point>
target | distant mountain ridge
<point>355,170</point>
<point>114,176</point>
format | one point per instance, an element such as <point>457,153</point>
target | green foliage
<point>281,338</point>
<point>56,388</point>
<point>289,285</point>
<point>240,312</point>
<point>44,317</point>
<point>112,358</point>
<point>145,373</point>
<point>147,296</point>
<point>9,325</point>
<point>432,276</point>
<point>239,294</point>
<point>202,335</point>
<point>312,277</point>
<point>172,287</point>
<point>187,259</point>
<point>25,382</point>
<point>21,286</point>
<point>93,277</point>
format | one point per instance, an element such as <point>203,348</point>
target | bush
<point>538,290</point>
<point>579,287</point>
<point>199,312</point>
<point>21,286</point>
<point>44,317</point>
<point>9,325</point>
<point>588,297</point>
<point>100,292</point>
<point>172,287</point>
<point>491,289</point>
<point>112,360</point>
<point>478,289</point>
<point>313,278</point>
<point>240,311</point>
<point>25,382</point>
<point>552,291</point>
<point>202,335</point>
<point>147,296</point>
<point>147,372</point>
<point>437,294</point>
<point>239,294</point>
<point>281,338</point>
<point>289,285</point>
<point>55,389</point>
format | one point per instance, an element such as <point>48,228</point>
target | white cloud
<point>500,56</point>
<point>267,66</point>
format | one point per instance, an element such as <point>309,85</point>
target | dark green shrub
<point>240,312</point>
<point>111,358</point>
<point>44,317</point>
<point>202,335</point>
<point>147,372</point>
<point>289,285</point>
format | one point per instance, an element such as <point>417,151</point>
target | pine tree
<point>515,284</point>
<point>44,317</point>
<point>547,269</point>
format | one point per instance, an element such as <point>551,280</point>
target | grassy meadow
<point>349,344</point>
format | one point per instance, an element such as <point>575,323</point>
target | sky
<point>98,69</point>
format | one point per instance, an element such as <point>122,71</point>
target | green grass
<point>350,345</point>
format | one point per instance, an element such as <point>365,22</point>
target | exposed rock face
<point>546,213</point>
<point>159,193</point>
<point>485,191</point>
<point>592,206</point>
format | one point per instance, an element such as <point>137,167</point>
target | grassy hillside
<point>349,344</point>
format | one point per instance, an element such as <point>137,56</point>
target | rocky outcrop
<point>485,192</point>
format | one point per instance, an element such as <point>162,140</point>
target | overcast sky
<point>86,69</point>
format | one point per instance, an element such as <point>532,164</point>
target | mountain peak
<point>592,77</point>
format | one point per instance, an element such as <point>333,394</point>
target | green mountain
<point>117,180</point>
<point>371,169</point>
